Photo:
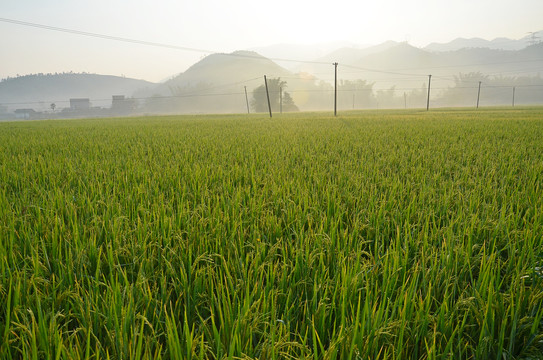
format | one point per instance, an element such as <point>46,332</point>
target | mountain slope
<point>224,71</point>
<point>215,84</point>
<point>343,55</point>
<point>405,69</point>
<point>349,55</point>
<point>39,91</point>
<point>500,43</point>
<point>461,43</point>
<point>406,59</point>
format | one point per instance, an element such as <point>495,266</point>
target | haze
<point>225,26</point>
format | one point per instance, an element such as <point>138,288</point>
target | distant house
<point>121,105</point>
<point>117,99</point>
<point>24,113</point>
<point>118,102</point>
<point>80,104</point>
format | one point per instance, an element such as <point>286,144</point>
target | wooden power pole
<point>280,100</point>
<point>335,88</point>
<point>428,101</point>
<point>478,94</point>
<point>267,95</point>
<point>246,99</point>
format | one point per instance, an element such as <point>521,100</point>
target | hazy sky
<point>229,25</point>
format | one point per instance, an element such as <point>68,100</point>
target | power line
<point>198,92</point>
<point>242,55</point>
<point>148,43</point>
<point>132,98</point>
<point>102,36</point>
<point>474,64</point>
<point>195,92</point>
<point>381,71</point>
<point>330,90</point>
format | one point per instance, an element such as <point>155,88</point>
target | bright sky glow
<point>226,26</point>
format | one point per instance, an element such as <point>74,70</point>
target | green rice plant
<point>373,235</point>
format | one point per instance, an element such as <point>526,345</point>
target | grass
<point>373,235</point>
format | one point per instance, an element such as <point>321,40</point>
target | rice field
<point>373,235</point>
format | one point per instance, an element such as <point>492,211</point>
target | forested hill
<point>38,91</point>
<point>223,69</point>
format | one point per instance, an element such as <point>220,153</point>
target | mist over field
<point>77,60</point>
<point>390,75</point>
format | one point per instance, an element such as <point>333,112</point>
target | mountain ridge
<point>218,79</point>
<point>498,43</point>
<point>39,90</point>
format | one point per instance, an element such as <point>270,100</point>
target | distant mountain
<point>343,55</point>
<point>222,71</point>
<point>300,52</point>
<point>390,75</point>
<point>406,59</point>
<point>349,55</point>
<point>406,67</point>
<point>39,91</point>
<point>397,57</point>
<point>215,84</point>
<point>497,44</point>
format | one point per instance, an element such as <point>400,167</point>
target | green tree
<point>356,94</point>
<point>259,102</point>
<point>288,103</point>
<point>464,91</point>
<point>416,98</point>
<point>387,99</point>
<point>495,90</point>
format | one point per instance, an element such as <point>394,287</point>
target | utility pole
<point>533,39</point>
<point>428,101</point>
<point>478,94</point>
<point>335,88</point>
<point>246,99</point>
<point>513,96</point>
<point>267,95</point>
<point>280,100</point>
